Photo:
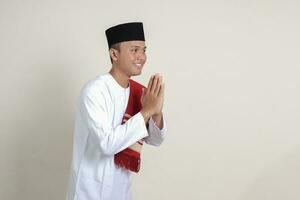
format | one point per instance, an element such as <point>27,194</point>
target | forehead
<point>134,43</point>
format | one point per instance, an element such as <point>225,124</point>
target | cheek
<point>132,58</point>
<point>129,60</point>
<point>126,59</point>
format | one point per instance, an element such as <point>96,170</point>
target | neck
<point>120,77</point>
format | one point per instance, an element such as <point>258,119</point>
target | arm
<point>156,130</point>
<point>109,140</point>
<point>156,123</point>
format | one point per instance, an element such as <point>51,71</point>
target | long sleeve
<point>110,140</point>
<point>156,136</point>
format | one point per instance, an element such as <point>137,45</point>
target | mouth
<point>138,65</point>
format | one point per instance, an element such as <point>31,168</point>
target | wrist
<point>146,114</point>
<point>158,114</point>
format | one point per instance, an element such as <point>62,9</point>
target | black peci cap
<point>125,32</point>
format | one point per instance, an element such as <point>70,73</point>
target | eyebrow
<point>139,46</point>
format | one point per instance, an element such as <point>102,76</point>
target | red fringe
<point>128,159</point>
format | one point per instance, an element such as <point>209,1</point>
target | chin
<point>136,72</point>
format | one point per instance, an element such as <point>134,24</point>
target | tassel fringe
<point>128,159</point>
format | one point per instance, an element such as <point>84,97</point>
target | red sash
<point>130,158</point>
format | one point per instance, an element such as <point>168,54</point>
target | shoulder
<point>95,87</point>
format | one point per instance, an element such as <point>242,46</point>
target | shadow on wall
<point>44,132</point>
<point>277,182</point>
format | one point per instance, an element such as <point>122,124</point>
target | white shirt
<point>99,135</point>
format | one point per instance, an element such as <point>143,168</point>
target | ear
<point>113,54</point>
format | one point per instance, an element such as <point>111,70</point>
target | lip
<point>138,65</point>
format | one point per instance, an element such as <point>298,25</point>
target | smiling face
<point>130,58</point>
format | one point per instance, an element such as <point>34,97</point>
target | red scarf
<point>130,158</point>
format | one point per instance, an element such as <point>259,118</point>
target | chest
<point>117,107</point>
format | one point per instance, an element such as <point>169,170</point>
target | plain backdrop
<point>231,70</point>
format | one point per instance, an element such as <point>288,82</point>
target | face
<point>132,57</point>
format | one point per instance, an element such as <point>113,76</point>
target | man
<point>115,115</point>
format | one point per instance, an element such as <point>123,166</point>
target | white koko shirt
<point>99,135</point>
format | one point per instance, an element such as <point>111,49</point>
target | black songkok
<point>125,32</point>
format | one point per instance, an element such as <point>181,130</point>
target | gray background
<point>231,70</point>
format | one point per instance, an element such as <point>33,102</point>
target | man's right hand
<point>153,97</point>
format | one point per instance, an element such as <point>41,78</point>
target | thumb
<point>143,92</point>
